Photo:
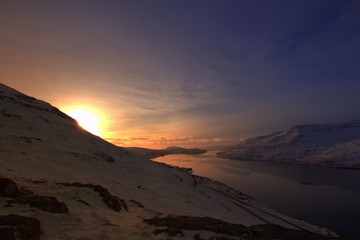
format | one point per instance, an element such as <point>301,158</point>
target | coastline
<point>242,200</point>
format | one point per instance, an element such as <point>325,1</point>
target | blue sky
<point>185,72</point>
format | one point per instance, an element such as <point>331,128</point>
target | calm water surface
<point>323,196</point>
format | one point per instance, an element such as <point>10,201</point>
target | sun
<point>86,119</point>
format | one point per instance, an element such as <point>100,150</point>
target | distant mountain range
<point>153,153</point>
<point>58,181</point>
<point>333,145</point>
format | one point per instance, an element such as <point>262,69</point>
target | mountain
<point>58,181</point>
<point>153,153</point>
<point>333,145</point>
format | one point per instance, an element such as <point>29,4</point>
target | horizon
<point>189,73</point>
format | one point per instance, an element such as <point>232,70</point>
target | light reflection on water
<point>322,196</point>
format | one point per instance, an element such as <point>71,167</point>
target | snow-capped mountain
<point>335,145</point>
<point>58,181</point>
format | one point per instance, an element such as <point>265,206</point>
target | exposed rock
<point>96,156</point>
<point>197,237</point>
<point>123,203</point>
<point>84,202</point>
<point>28,139</point>
<point>47,204</point>
<point>19,227</point>
<point>171,232</point>
<point>44,119</point>
<point>26,98</point>
<point>198,223</point>
<point>105,157</point>
<point>113,202</point>
<point>257,232</point>
<point>8,188</point>
<point>9,115</point>
<point>138,204</point>
<point>7,233</point>
<point>222,238</point>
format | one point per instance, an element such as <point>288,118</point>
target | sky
<point>187,73</point>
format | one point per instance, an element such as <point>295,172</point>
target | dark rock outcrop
<point>84,202</point>
<point>111,201</point>
<point>171,232</point>
<point>19,227</point>
<point>96,156</point>
<point>47,204</point>
<point>9,189</point>
<point>257,232</point>
<point>197,237</point>
<point>7,233</point>
<point>105,157</point>
<point>138,204</point>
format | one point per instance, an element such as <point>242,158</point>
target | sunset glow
<point>87,120</point>
<point>154,75</point>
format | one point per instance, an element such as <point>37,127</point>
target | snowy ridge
<point>334,145</point>
<point>109,191</point>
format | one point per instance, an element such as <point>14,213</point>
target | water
<point>322,196</point>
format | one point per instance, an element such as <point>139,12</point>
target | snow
<point>40,147</point>
<point>333,145</point>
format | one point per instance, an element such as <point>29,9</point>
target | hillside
<point>334,145</point>
<point>58,181</point>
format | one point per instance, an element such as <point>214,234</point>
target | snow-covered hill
<point>335,145</point>
<point>60,182</point>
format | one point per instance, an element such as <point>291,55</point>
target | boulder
<point>19,227</point>
<point>8,188</point>
<point>47,204</point>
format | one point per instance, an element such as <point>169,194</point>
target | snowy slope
<point>45,153</point>
<point>336,145</point>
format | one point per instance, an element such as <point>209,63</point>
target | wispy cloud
<point>162,142</point>
<point>165,68</point>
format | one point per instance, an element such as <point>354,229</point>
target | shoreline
<point>257,209</point>
<point>287,162</point>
